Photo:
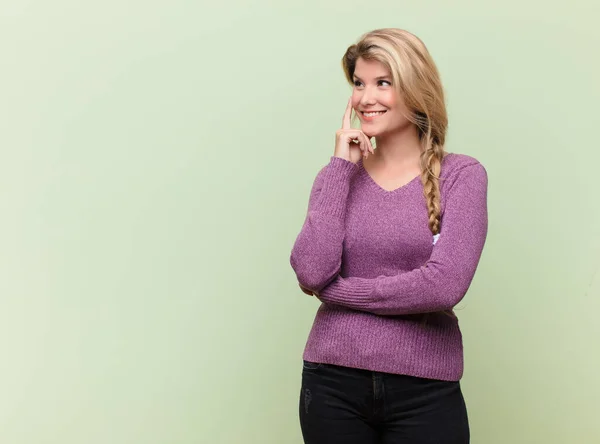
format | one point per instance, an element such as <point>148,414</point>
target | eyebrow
<point>376,78</point>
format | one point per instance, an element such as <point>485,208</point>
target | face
<point>375,100</point>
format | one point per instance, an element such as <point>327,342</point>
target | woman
<point>390,244</point>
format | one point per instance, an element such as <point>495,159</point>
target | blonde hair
<point>416,79</point>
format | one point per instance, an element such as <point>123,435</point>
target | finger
<point>363,141</point>
<point>369,144</point>
<point>346,121</point>
<point>366,150</point>
<point>360,138</point>
<point>366,143</point>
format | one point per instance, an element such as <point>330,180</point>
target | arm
<point>316,256</point>
<point>443,281</point>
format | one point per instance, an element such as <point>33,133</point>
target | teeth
<point>379,113</point>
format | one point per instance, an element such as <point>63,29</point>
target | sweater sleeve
<point>316,255</point>
<point>444,279</point>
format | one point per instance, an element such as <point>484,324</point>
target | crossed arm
<point>440,283</point>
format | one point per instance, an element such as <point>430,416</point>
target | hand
<point>306,290</point>
<point>351,144</point>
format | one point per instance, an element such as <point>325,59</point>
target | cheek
<point>390,100</point>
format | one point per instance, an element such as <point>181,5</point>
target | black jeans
<point>340,405</point>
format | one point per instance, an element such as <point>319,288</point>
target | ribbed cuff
<point>336,185</point>
<point>349,292</point>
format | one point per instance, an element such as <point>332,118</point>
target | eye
<point>380,82</point>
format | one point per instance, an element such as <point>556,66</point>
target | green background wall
<point>156,159</point>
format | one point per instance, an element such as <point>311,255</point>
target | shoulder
<point>454,162</point>
<point>463,178</point>
<point>459,167</point>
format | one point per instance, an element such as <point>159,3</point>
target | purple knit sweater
<point>369,255</point>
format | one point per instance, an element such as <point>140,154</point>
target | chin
<point>369,132</point>
<point>373,132</point>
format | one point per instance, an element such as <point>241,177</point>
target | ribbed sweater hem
<point>396,367</point>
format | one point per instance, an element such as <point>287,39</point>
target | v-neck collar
<point>379,188</point>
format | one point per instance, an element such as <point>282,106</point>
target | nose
<point>368,97</point>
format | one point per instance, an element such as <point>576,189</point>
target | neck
<point>401,149</point>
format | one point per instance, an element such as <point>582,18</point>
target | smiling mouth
<point>373,113</point>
